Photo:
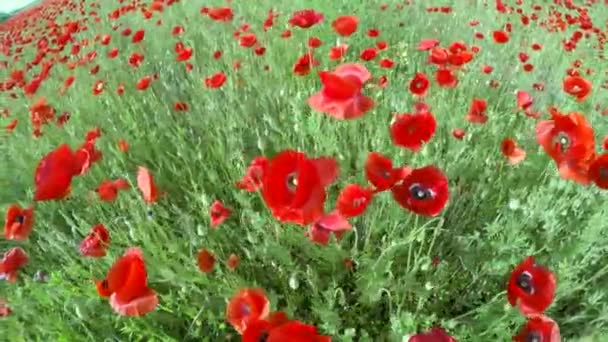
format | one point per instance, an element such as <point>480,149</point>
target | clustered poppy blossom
<point>531,288</point>
<point>248,311</point>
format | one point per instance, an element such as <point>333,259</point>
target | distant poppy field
<point>306,171</point>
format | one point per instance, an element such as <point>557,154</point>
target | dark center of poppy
<point>292,181</point>
<point>41,276</point>
<point>263,337</point>
<point>105,284</point>
<point>533,336</point>
<point>420,192</point>
<point>563,140</point>
<point>524,282</point>
<point>603,172</point>
<point>20,219</point>
<point>245,309</point>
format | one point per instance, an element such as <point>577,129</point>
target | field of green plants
<point>304,170</point>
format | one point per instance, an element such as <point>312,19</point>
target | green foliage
<point>497,214</point>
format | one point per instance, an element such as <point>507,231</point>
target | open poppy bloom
<point>322,229</point>
<point>569,141</point>
<point>345,25</point>
<point>531,287</point>
<point>598,171</point>
<point>245,307</point>
<point>380,172</point>
<point>419,84</point>
<point>540,329</point>
<point>96,242</point>
<point>126,285</point>
<point>341,96</point>
<point>577,87</point>
<point>54,174</point>
<point>305,18</point>
<point>424,191</point>
<point>19,222</point>
<point>294,186</point>
<point>411,131</point>
<point>205,260</point>
<point>10,264</point>
<point>252,181</point>
<point>259,330</point>
<point>353,200</point>
<point>433,335</point>
<point>219,213</point>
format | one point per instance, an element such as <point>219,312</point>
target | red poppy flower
<point>304,64</point>
<point>500,37</point>
<point>353,200</point>
<point>126,285</point>
<point>598,171</point>
<point>294,186</point>
<point>458,133</point>
<point>419,84</point>
<point>332,223</point>
<point>341,95</point>
<point>411,131</point>
<point>446,78</point>
<point>41,113</point>
<point>205,260</point>
<point>147,186</point>
<point>368,54</point>
<point>216,81</point>
<point>380,172</point>
<point>512,152</point>
<point>337,52</point>
<point>539,328</point>
<point>577,87</point>
<point>143,83</point>
<point>424,191</point>
<point>531,287</point>
<point>233,261</point>
<point>434,335</point>
<point>259,330</point>
<point>524,100</point>
<point>19,222</point>
<point>439,56</point>
<point>54,173</point>
<point>477,111</point>
<point>218,213</point>
<point>218,13</point>
<point>427,44</point>
<point>345,25</point>
<point>96,242</point>
<point>569,141</point>
<point>11,263</point>
<point>246,307</point>
<point>252,181</point>
<point>86,156</point>
<point>296,331</point>
<point>305,18</point>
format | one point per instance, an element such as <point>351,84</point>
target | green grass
<point>497,214</point>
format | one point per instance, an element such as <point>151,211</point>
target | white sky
<point>9,5</point>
